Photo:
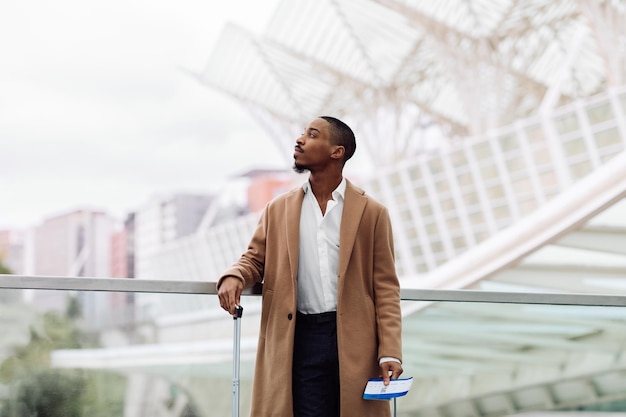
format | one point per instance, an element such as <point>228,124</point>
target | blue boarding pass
<point>376,389</point>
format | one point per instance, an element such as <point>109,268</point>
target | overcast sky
<point>96,111</point>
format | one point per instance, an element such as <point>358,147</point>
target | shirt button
<point>289,316</point>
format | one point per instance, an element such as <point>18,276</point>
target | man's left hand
<point>390,370</point>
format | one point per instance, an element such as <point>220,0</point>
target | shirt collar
<point>339,192</point>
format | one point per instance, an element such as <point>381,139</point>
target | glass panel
<point>528,206</point>
<point>415,173</point>
<point>459,243</point>
<point>606,138</point>
<point>374,185</point>
<point>622,100</point>
<point>516,164</point>
<point>464,178</point>
<point>501,212</point>
<point>534,134</point>
<point>566,124</point>
<point>426,210</point>
<point>480,356</point>
<point>522,186</point>
<point>495,192</point>
<point>458,159</point>
<point>483,152</point>
<point>74,356</point>
<point>508,143</point>
<point>431,227</point>
<point>461,355</point>
<point>481,236</point>
<point>471,198</point>
<point>580,169</point>
<point>442,187</point>
<point>575,146</point>
<point>410,233</point>
<point>547,179</point>
<point>400,196</point>
<point>541,156</point>
<point>436,247</point>
<point>454,224</point>
<point>416,250</point>
<point>477,218</point>
<point>422,268</point>
<point>600,113</point>
<point>489,171</point>
<point>436,167</point>
<point>406,215</point>
<point>394,179</point>
<point>420,191</point>
<point>447,205</point>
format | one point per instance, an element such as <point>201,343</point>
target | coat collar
<point>354,205</point>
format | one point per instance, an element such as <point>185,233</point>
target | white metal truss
<point>462,66</point>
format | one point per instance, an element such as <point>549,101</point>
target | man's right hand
<point>229,294</point>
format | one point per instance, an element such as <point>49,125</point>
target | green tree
<point>46,393</point>
<point>38,390</point>
<point>4,269</point>
<point>8,295</point>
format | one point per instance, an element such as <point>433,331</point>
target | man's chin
<point>299,169</point>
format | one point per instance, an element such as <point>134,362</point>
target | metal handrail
<point>195,287</point>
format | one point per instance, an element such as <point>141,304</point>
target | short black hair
<point>341,135</point>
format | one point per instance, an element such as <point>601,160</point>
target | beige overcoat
<point>368,301</point>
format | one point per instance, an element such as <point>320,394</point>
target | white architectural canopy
<point>395,67</point>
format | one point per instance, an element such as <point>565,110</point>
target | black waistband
<point>329,316</point>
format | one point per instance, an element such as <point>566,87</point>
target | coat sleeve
<point>386,290</point>
<point>250,267</point>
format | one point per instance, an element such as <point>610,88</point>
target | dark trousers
<point>316,366</point>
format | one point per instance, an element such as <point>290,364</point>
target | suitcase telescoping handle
<point>236,358</point>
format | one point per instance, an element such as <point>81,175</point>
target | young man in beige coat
<point>331,299</point>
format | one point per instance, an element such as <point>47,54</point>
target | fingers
<point>229,294</point>
<point>390,370</point>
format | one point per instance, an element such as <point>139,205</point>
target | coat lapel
<point>353,207</point>
<point>293,209</point>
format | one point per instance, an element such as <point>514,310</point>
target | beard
<point>300,169</point>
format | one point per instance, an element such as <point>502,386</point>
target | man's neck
<point>323,187</point>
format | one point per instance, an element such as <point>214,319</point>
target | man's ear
<point>338,152</point>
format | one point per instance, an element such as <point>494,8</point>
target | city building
<point>123,249</point>
<point>162,220</point>
<point>265,185</point>
<point>74,244</point>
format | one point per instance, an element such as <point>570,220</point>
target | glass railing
<point>122,347</point>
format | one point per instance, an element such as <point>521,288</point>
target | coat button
<point>289,316</point>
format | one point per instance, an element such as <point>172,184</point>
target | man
<point>330,315</point>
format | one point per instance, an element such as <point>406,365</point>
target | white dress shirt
<point>318,258</point>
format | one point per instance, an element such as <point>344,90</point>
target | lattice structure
<point>394,67</point>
